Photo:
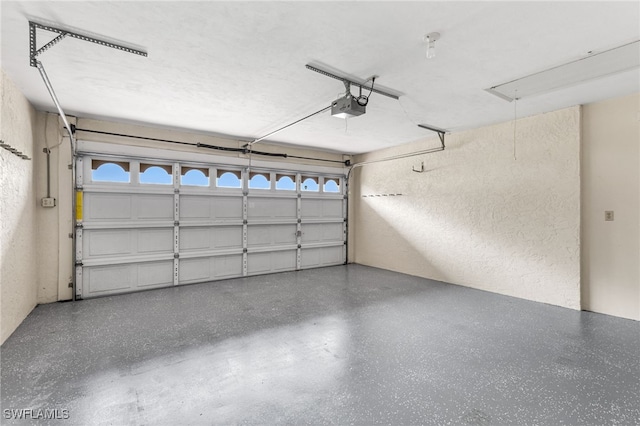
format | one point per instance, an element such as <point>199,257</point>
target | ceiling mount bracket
<point>347,87</point>
<point>34,51</point>
<point>440,132</point>
<point>348,82</point>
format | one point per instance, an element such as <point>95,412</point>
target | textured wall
<point>18,288</point>
<point>611,181</point>
<point>477,216</point>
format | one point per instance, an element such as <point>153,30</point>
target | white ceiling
<point>238,68</point>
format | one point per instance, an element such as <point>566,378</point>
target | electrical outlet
<point>608,215</point>
<point>48,202</point>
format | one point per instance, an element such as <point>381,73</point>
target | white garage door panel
<point>271,235</point>
<point>103,280</point>
<point>210,238</point>
<point>318,208</point>
<point>322,256</point>
<point>262,263</point>
<point>98,206</point>
<point>154,206</point>
<point>118,242</point>
<point>106,242</point>
<point>107,206</point>
<point>194,270</point>
<point>272,208</point>
<point>155,240</point>
<point>210,207</point>
<point>133,236</point>
<point>322,232</point>
<point>155,274</point>
<point>210,268</point>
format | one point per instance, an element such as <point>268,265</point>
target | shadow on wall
<point>389,243</point>
<point>482,219</point>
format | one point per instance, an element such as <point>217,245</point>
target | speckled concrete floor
<point>340,345</point>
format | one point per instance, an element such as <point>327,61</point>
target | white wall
<point>18,287</point>
<point>611,181</point>
<point>478,217</point>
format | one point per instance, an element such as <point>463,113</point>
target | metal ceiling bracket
<point>34,51</point>
<point>440,132</point>
<point>347,87</point>
<point>347,82</point>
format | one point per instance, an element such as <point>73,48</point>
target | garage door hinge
<point>245,250</point>
<point>176,255</point>
<point>245,221</point>
<point>245,193</point>
<point>78,187</point>
<point>299,220</point>
<point>79,263</point>
<point>176,223</point>
<point>176,191</point>
<point>299,245</point>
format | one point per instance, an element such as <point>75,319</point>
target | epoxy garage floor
<point>338,345</point>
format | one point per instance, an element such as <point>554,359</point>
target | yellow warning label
<point>78,205</point>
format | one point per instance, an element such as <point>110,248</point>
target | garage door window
<point>110,171</point>
<point>310,183</point>
<point>259,181</point>
<point>285,183</point>
<point>156,174</point>
<point>331,185</point>
<point>193,176</point>
<point>228,179</point>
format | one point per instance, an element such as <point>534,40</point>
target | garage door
<point>149,224</point>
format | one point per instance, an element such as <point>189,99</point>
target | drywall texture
<point>18,277</point>
<point>611,182</point>
<point>476,216</point>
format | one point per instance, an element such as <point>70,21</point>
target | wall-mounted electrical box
<point>608,215</point>
<point>48,202</point>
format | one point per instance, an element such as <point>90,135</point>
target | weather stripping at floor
<point>340,345</point>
